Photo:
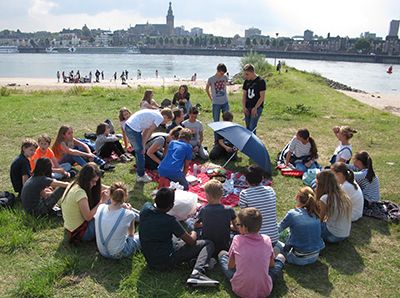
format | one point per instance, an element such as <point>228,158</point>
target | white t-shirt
<point>342,153</point>
<point>143,119</point>
<point>299,149</point>
<point>117,241</point>
<point>357,199</point>
<point>339,226</point>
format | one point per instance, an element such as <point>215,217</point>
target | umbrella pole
<point>230,158</point>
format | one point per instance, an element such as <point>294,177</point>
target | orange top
<point>38,154</point>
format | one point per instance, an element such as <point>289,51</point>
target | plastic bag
<point>309,176</point>
<point>185,205</point>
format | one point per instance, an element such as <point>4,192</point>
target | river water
<point>365,76</point>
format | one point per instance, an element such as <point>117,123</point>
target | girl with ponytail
<point>304,242</point>
<point>365,176</point>
<point>345,177</point>
<point>343,152</point>
<point>302,151</point>
<point>334,206</point>
<point>115,225</point>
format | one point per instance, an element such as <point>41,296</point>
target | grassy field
<point>36,261</point>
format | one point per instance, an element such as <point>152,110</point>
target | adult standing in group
<point>138,129</point>
<point>253,97</point>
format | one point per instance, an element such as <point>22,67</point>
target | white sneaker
<point>145,178</point>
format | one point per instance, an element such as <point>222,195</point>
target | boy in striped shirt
<point>264,199</point>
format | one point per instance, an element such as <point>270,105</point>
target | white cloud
<point>41,8</point>
<point>220,26</point>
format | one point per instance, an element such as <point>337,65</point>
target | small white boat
<point>51,50</point>
<point>133,50</point>
<point>8,49</point>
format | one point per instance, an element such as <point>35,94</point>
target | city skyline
<point>288,18</point>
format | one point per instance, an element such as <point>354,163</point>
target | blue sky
<point>287,17</point>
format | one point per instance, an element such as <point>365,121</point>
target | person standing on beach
<point>115,76</point>
<point>156,73</point>
<point>253,97</point>
<point>102,75</point>
<point>90,76</point>
<point>58,76</point>
<point>126,74</point>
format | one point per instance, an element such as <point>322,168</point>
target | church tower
<point>170,20</point>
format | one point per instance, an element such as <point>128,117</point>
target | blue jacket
<point>305,231</point>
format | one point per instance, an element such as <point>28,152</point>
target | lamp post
<point>276,34</point>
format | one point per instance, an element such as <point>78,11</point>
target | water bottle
<point>195,168</point>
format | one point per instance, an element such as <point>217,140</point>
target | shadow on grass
<point>361,230</point>
<point>89,263</point>
<point>318,281</point>
<point>343,257</point>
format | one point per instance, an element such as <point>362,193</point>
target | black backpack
<point>7,199</point>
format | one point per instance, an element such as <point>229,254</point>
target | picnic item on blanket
<point>289,171</point>
<point>211,171</point>
<point>192,179</point>
<point>244,140</point>
<point>185,205</point>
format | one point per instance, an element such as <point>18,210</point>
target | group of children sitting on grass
<point>250,246</point>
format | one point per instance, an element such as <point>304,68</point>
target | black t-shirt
<point>226,142</point>
<point>216,221</point>
<point>19,167</point>
<point>155,232</point>
<point>30,195</point>
<point>253,89</point>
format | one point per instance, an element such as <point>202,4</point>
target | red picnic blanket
<point>228,200</point>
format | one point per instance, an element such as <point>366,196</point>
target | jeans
<point>135,138</point>
<point>302,167</point>
<point>80,160</point>
<point>292,258</point>
<point>58,176</point>
<point>251,122</point>
<point>202,251</point>
<point>217,109</point>
<point>132,245</point>
<point>90,233</point>
<point>328,236</point>
<point>176,177</point>
<point>274,272</point>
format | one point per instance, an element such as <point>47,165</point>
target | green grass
<point>36,261</point>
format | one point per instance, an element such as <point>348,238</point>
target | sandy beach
<point>385,102</point>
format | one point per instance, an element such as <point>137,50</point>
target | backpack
<point>7,199</point>
<point>333,158</point>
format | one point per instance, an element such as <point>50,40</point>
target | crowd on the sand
<point>250,246</point>
<point>76,77</point>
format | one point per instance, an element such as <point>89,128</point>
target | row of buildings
<point>168,36</point>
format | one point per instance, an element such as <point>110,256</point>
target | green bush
<point>4,91</point>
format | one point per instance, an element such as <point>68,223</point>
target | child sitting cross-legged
<point>115,225</point>
<point>250,264</point>
<point>215,218</point>
<point>161,251</point>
